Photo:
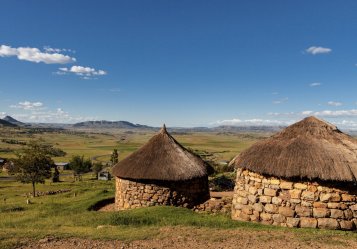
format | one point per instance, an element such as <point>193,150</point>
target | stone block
<point>286,185</point>
<point>295,193</point>
<point>278,218</point>
<point>244,217</point>
<point>319,205</point>
<point>347,225</point>
<point>265,199</point>
<point>337,214</point>
<point>321,212</point>
<point>270,192</point>
<point>301,186</point>
<point>306,203</point>
<point>286,211</point>
<point>258,207</point>
<point>247,210</point>
<point>276,200</point>
<point>308,195</point>
<point>271,208</point>
<point>348,214</point>
<point>292,222</point>
<point>312,188</point>
<point>348,198</point>
<point>252,198</point>
<point>242,200</point>
<point>330,197</point>
<point>308,222</point>
<point>327,223</point>
<point>295,201</point>
<point>265,217</point>
<point>275,181</point>
<point>353,207</point>
<point>303,211</point>
<point>252,190</point>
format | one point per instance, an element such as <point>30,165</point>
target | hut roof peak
<point>163,129</point>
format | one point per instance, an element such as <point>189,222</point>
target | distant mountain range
<point>4,123</point>
<point>110,124</point>
<point>9,121</point>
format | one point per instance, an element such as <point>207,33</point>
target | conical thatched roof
<point>311,148</point>
<point>162,158</point>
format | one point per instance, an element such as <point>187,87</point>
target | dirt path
<point>180,237</point>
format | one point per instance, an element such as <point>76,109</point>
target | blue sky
<point>185,63</point>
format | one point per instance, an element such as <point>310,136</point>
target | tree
<point>79,165</point>
<point>33,164</point>
<point>114,157</point>
<point>97,167</point>
<point>56,174</point>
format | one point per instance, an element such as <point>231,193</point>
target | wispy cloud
<point>49,49</point>
<point>314,50</point>
<point>323,113</point>
<point>280,101</point>
<point>255,121</point>
<point>85,72</point>
<point>27,105</point>
<point>315,84</point>
<point>334,103</point>
<point>38,112</point>
<point>35,55</point>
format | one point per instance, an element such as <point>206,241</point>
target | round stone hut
<point>162,172</point>
<point>304,176</point>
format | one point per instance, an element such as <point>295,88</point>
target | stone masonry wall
<point>132,194</point>
<point>275,201</point>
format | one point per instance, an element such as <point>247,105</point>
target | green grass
<point>65,215</point>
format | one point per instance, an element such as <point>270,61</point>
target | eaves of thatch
<point>311,148</point>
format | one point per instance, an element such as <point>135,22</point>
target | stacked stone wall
<point>134,194</point>
<point>274,201</point>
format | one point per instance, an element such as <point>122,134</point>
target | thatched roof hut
<point>311,148</point>
<point>162,158</point>
<point>304,176</point>
<point>163,163</point>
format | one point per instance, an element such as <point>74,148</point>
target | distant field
<point>99,146</point>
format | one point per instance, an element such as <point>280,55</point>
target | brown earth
<point>183,237</point>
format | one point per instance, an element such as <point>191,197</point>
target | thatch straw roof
<point>311,148</point>
<point>162,158</point>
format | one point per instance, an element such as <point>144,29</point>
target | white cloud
<point>255,121</point>
<point>37,112</point>
<point>85,72</point>
<point>48,49</point>
<point>318,50</point>
<point>337,113</point>
<point>35,55</point>
<point>315,84</point>
<point>334,103</point>
<point>280,101</point>
<point>307,113</point>
<point>3,114</point>
<point>27,105</point>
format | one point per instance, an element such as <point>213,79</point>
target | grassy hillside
<point>68,215</point>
